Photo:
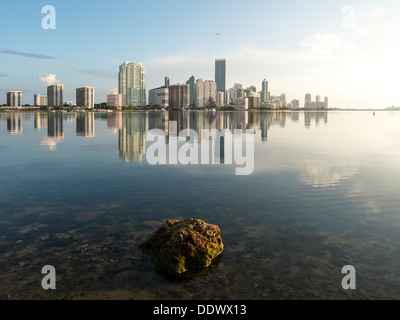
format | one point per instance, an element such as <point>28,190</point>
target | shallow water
<point>76,192</point>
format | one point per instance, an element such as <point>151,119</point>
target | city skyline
<point>345,52</point>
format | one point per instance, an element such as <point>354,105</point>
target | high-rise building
<point>167,81</point>
<point>191,82</point>
<point>199,93</point>
<point>307,100</point>
<point>43,100</point>
<point>179,95</point>
<point>36,100</point>
<point>230,96</point>
<point>253,101</point>
<point>114,100</point>
<point>252,89</point>
<point>221,100</point>
<point>55,95</point>
<point>295,103</point>
<point>318,102</point>
<point>132,84</point>
<point>85,97</point>
<point>159,96</point>
<point>14,99</point>
<point>264,91</point>
<point>40,100</point>
<point>220,74</point>
<point>204,90</point>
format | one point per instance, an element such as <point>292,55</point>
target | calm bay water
<point>76,192</point>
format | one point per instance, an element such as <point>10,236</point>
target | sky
<point>345,50</point>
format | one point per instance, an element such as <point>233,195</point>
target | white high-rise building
<point>204,90</point>
<point>40,100</point>
<point>132,84</point>
<point>221,100</point>
<point>85,97</point>
<point>14,99</point>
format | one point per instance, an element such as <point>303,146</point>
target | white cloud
<point>328,43</point>
<point>48,79</point>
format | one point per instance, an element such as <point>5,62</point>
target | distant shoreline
<point>27,109</point>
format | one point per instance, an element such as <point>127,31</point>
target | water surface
<point>76,192</point>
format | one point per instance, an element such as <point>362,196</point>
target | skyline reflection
<point>133,126</point>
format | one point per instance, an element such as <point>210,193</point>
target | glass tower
<point>220,74</point>
<point>264,91</point>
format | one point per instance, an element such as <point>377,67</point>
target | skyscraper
<point>167,81</point>
<point>220,74</point>
<point>40,100</point>
<point>36,99</point>
<point>14,99</point>
<point>85,97</point>
<point>191,82</point>
<point>264,91</point>
<point>132,84</point>
<point>179,95</point>
<point>204,90</point>
<point>55,95</point>
<point>307,100</point>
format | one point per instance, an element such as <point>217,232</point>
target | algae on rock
<point>182,245</point>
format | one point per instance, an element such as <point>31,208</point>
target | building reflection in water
<point>14,122</point>
<point>55,130</point>
<point>41,120</point>
<point>85,124</point>
<point>317,116</point>
<point>132,136</point>
<point>132,126</point>
<point>114,121</point>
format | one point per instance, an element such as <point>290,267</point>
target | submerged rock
<point>183,245</point>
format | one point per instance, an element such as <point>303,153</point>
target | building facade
<point>317,104</point>
<point>191,83</point>
<point>264,91</point>
<point>204,90</point>
<point>85,97</point>
<point>220,74</point>
<point>159,96</point>
<point>132,84</point>
<point>55,95</point>
<point>179,95</point>
<point>114,100</point>
<point>40,100</point>
<point>14,99</point>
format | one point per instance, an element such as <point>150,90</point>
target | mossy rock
<point>182,245</point>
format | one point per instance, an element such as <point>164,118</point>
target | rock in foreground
<point>183,245</point>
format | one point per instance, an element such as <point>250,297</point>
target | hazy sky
<point>346,50</point>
